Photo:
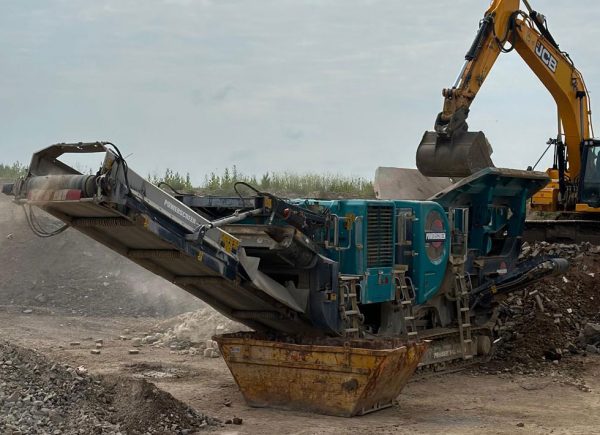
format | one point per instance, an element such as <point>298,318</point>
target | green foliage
<point>173,179</point>
<point>289,184</point>
<point>13,171</point>
<point>278,183</point>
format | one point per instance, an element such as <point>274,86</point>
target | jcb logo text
<point>546,57</point>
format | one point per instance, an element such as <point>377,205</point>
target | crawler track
<point>563,231</point>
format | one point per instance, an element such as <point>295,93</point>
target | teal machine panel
<point>374,239</point>
<point>427,241</point>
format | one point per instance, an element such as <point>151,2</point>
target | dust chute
<point>296,299</point>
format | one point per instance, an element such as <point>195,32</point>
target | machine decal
<point>503,269</point>
<point>543,53</point>
<point>229,243</point>
<point>180,212</point>
<point>435,236</point>
<point>442,354</point>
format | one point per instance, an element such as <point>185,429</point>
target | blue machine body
<point>374,239</point>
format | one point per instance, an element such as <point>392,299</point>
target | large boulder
<point>591,333</point>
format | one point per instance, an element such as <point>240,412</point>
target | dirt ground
<point>467,402</point>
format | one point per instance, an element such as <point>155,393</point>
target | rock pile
<point>569,251</point>
<point>38,396</point>
<point>554,318</point>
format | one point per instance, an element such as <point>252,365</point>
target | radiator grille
<point>380,241</point>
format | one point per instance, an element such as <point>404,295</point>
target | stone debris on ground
<point>211,349</point>
<point>38,396</point>
<point>555,322</point>
<point>189,333</point>
<point>234,420</point>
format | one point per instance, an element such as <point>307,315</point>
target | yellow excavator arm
<point>503,28</point>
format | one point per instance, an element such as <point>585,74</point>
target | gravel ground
<point>38,396</point>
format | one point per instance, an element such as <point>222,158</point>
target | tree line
<point>280,183</point>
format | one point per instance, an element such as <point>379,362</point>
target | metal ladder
<point>463,311</point>
<point>404,297</point>
<point>459,222</point>
<point>352,317</point>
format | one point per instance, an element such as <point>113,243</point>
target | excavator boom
<point>452,151</point>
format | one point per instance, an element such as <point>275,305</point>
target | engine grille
<point>380,241</point>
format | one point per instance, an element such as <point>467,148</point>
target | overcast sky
<point>339,86</point>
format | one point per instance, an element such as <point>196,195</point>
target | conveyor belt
<point>153,229</point>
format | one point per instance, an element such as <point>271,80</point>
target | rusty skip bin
<point>332,376</point>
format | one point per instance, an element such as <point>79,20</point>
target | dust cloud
<point>71,272</point>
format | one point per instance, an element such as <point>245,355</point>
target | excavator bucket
<point>340,377</point>
<point>457,157</point>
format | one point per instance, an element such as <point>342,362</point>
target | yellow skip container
<point>339,377</point>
